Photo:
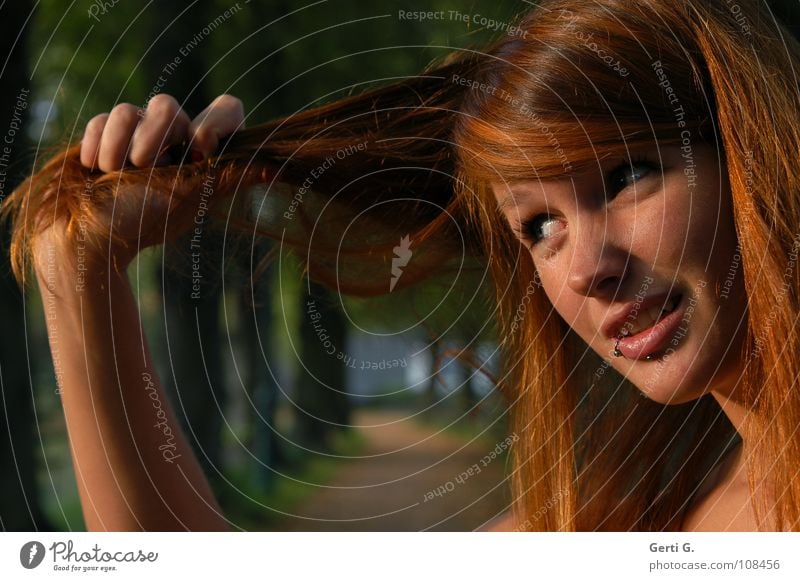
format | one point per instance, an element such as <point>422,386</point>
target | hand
<point>140,137</point>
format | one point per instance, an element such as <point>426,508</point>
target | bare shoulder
<point>503,523</point>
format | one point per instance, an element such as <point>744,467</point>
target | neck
<point>737,413</point>
<point>735,470</point>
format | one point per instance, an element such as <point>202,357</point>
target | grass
<point>242,508</point>
<point>258,508</point>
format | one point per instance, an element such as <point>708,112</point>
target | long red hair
<point>575,82</point>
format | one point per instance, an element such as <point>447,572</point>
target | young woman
<point>627,170</point>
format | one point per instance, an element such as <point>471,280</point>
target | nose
<point>597,265</point>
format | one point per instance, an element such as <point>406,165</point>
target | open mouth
<point>646,319</point>
<point>644,337</point>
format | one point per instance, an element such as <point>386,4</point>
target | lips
<point>635,317</point>
<point>647,318</point>
<point>648,341</point>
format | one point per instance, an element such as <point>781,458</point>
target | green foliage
<point>257,509</point>
<point>88,63</point>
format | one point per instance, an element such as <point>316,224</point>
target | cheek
<point>565,302</point>
<point>687,226</point>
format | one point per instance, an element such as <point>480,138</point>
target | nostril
<point>609,285</point>
<point>597,273</point>
<point>604,288</point>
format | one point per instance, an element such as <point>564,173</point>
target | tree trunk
<point>259,376</point>
<point>20,508</point>
<point>324,407</point>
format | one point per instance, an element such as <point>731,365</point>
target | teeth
<point>644,320</point>
<point>647,318</point>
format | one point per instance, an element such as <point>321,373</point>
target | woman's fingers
<point>117,134</point>
<point>90,144</point>
<point>222,117</point>
<point>164,124</point>
<point>129,132</point>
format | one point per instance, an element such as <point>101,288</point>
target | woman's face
<point>640,256</point>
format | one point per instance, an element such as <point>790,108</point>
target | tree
<point>20,507</point>
<point>322,402</point>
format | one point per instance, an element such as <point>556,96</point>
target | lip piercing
<point>622,334</point>
<point>618,353</point>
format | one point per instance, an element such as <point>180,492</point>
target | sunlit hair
<point>577,82</point>
<point>593,79</point>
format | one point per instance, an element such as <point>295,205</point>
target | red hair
<point>601,78</point>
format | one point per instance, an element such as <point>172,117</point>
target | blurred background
<point>308,411</point>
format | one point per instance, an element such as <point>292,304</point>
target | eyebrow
<point>512,198</point>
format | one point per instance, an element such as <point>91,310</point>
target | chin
<point>675,380</point>
<point>669,395</point>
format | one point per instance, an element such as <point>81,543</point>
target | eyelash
<point>635,162</point>
<point>529,226</point>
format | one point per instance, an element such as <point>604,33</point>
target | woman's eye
<point>541,227</point>
<point>628,174</point>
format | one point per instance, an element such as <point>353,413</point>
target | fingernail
<point>197,155</point>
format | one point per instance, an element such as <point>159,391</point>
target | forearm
<point>134,467</point>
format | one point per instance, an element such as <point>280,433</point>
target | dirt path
<point>415,480</point>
